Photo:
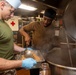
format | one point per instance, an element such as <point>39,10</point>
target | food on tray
<point>36,57</point>
<point>22,57</point>
<point>33,55</point>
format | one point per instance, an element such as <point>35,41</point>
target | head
<point>7,8</point>
<point>49,16</point>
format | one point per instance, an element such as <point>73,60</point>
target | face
<point>47,21</point>
<point>7,11</point>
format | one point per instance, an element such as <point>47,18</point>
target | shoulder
<point>35,23</point>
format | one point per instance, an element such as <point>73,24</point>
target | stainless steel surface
<point>28,54</point>
<point>60,62</point>
<point>69,51</point>
<point>45,69</point>
<point>33,54</point>
<point>69,19</point>
<point>63,60</point>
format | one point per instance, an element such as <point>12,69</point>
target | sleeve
<point>29,27</point>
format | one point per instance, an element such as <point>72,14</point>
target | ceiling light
<point>42,12</point>
<point>26,7</point>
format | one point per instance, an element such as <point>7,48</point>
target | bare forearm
<point>18,48</point>
<point>26,36</point>
<point>23,32</point>
<point>9,64</point>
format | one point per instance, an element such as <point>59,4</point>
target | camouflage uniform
<point>9,72</point>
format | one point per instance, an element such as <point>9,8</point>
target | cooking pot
<point>61,63</point>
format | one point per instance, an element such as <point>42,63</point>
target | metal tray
<point>35,54</point>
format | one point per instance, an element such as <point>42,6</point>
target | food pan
<point>35,54</point>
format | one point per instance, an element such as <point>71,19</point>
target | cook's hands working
<point>28,63</point>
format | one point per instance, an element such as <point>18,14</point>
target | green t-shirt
<point>6,41</point>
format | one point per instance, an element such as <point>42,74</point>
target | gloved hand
<point>29,48</point>
<point>28,63</point>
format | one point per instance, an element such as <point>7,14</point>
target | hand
<point>28,63</point>
<point>29,48</point>
<point>27,40</point>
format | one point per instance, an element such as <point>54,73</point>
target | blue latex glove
<point>28,63</point>
<point>29,48</point>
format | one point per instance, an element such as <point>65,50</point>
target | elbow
<point>20,31</point>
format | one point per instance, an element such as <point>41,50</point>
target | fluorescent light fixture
<point>42,12</point>
<point>26,7</point>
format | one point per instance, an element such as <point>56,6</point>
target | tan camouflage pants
<point>9,72</point>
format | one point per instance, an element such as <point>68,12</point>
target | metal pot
<point>69,19</point>
<point>61,63</point>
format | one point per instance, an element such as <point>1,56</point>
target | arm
<point>26,35</point>
<point>18,48</point>
<point>9,64</point>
